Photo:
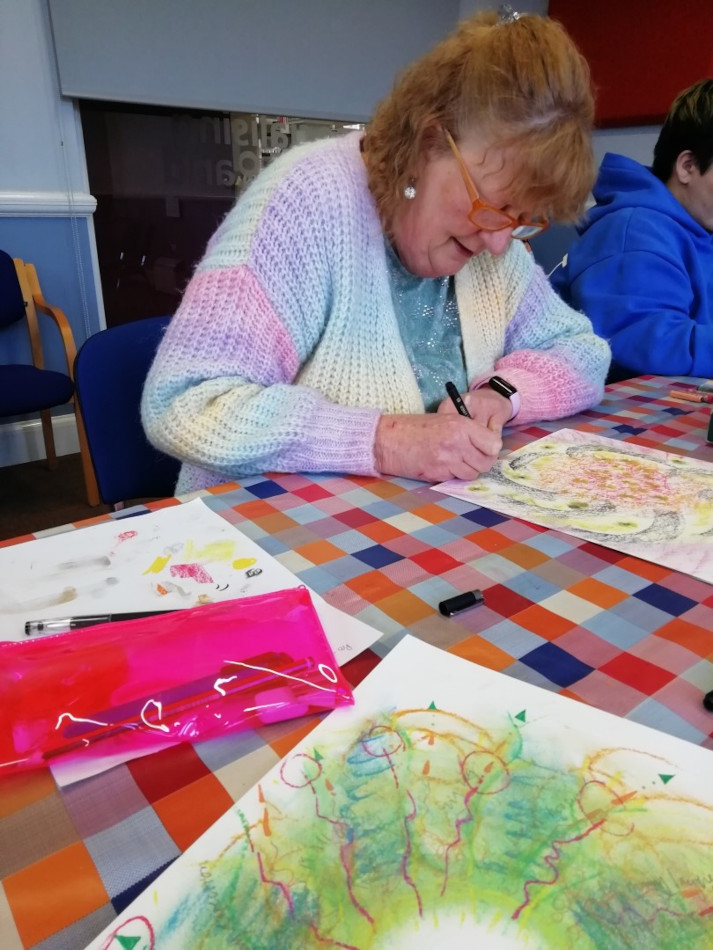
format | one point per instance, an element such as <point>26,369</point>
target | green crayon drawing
<point>451,807</point>
<point>419,827</point>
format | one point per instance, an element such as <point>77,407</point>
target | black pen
<point>65,624</point>
<point>457,399</point>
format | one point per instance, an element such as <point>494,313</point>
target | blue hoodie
<point>642,271</point>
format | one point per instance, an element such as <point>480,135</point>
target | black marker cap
<point>454,605</point>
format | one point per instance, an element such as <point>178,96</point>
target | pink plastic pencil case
<point>131,687</point>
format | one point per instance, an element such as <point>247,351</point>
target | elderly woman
<point>357,275</point>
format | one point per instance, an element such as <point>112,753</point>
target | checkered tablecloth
<point>623,634</point>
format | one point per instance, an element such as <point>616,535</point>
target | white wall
<point>637,143</point>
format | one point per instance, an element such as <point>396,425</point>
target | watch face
<point>501,386</point>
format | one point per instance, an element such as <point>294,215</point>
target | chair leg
<point>90,479</point>
<point>48,436</point>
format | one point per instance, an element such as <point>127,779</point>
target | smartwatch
<point>506,389</point>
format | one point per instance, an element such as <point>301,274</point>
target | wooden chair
<point>27,388</point>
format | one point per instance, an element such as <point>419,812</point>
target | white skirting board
<point>22,441</point>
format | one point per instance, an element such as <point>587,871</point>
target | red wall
<point>641,52</point>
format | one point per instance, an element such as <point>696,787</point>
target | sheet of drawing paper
<point>641,501</point>
<point>175,557</point>
<point>452,806</point>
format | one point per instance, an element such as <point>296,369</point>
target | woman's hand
<point>486,406</point>
<point>435,446</point>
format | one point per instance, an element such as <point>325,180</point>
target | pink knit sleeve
<point>552,356</point>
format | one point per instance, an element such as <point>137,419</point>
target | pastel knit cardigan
<point>285,349</point>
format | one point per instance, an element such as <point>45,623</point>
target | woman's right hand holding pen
<point>484,405</point>
<point>435,446</point>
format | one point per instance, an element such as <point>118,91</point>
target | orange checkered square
<point>191,810</point>
<point>319,552</point>
<point>542,622</point>
<point>70,887</point>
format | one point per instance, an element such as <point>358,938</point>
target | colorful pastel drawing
<point>452,807</point>
<point>644,502</point>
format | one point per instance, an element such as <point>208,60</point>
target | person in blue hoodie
<point>642,269</point>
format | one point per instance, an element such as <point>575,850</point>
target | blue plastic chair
<point>109,374</point>
<point>29,387</point>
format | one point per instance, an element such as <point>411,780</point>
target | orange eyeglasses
<point>489,218</point>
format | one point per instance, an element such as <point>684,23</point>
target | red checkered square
<point>642,675</point>
<point>505,601</point>
<point>354,518</point>
<point>312,492</point>
<point>435,561</point>
<point>167,771</point>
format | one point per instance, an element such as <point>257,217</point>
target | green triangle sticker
<point>127,942</point>
<point>317,757</point>
<point>433,705</point>
<point>665,778</point>
<point>521,716</point>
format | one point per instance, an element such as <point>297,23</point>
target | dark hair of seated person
<point>687,127</point>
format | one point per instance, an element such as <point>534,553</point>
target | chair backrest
<point>109,374</point>
<point>552,246</point>
<point>12,303</point>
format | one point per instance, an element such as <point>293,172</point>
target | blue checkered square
<point>377,555</point>
<point>484,517</point>
<point>549,544</point>
<point>641,614</point>
<point>665,599</point>
<point>559,667</point>
<point>272,545</point>
<point>266,489</point>
<point>318,579</point>
<point>620,579</point>
<point>654,714</point>
<point>122,901</point>
<point>224,749</point>
<point>511,637</point>
<point>383,510</point>
<point>615,630</point>
<point>133,848</point>
<point>345,568</point>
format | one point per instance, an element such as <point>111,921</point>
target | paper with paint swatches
<point>177,557</point>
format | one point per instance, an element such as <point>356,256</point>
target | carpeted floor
<point>33,498</point>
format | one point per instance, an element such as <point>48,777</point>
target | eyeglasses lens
<point>526,231</point>
<point>489,218</point>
